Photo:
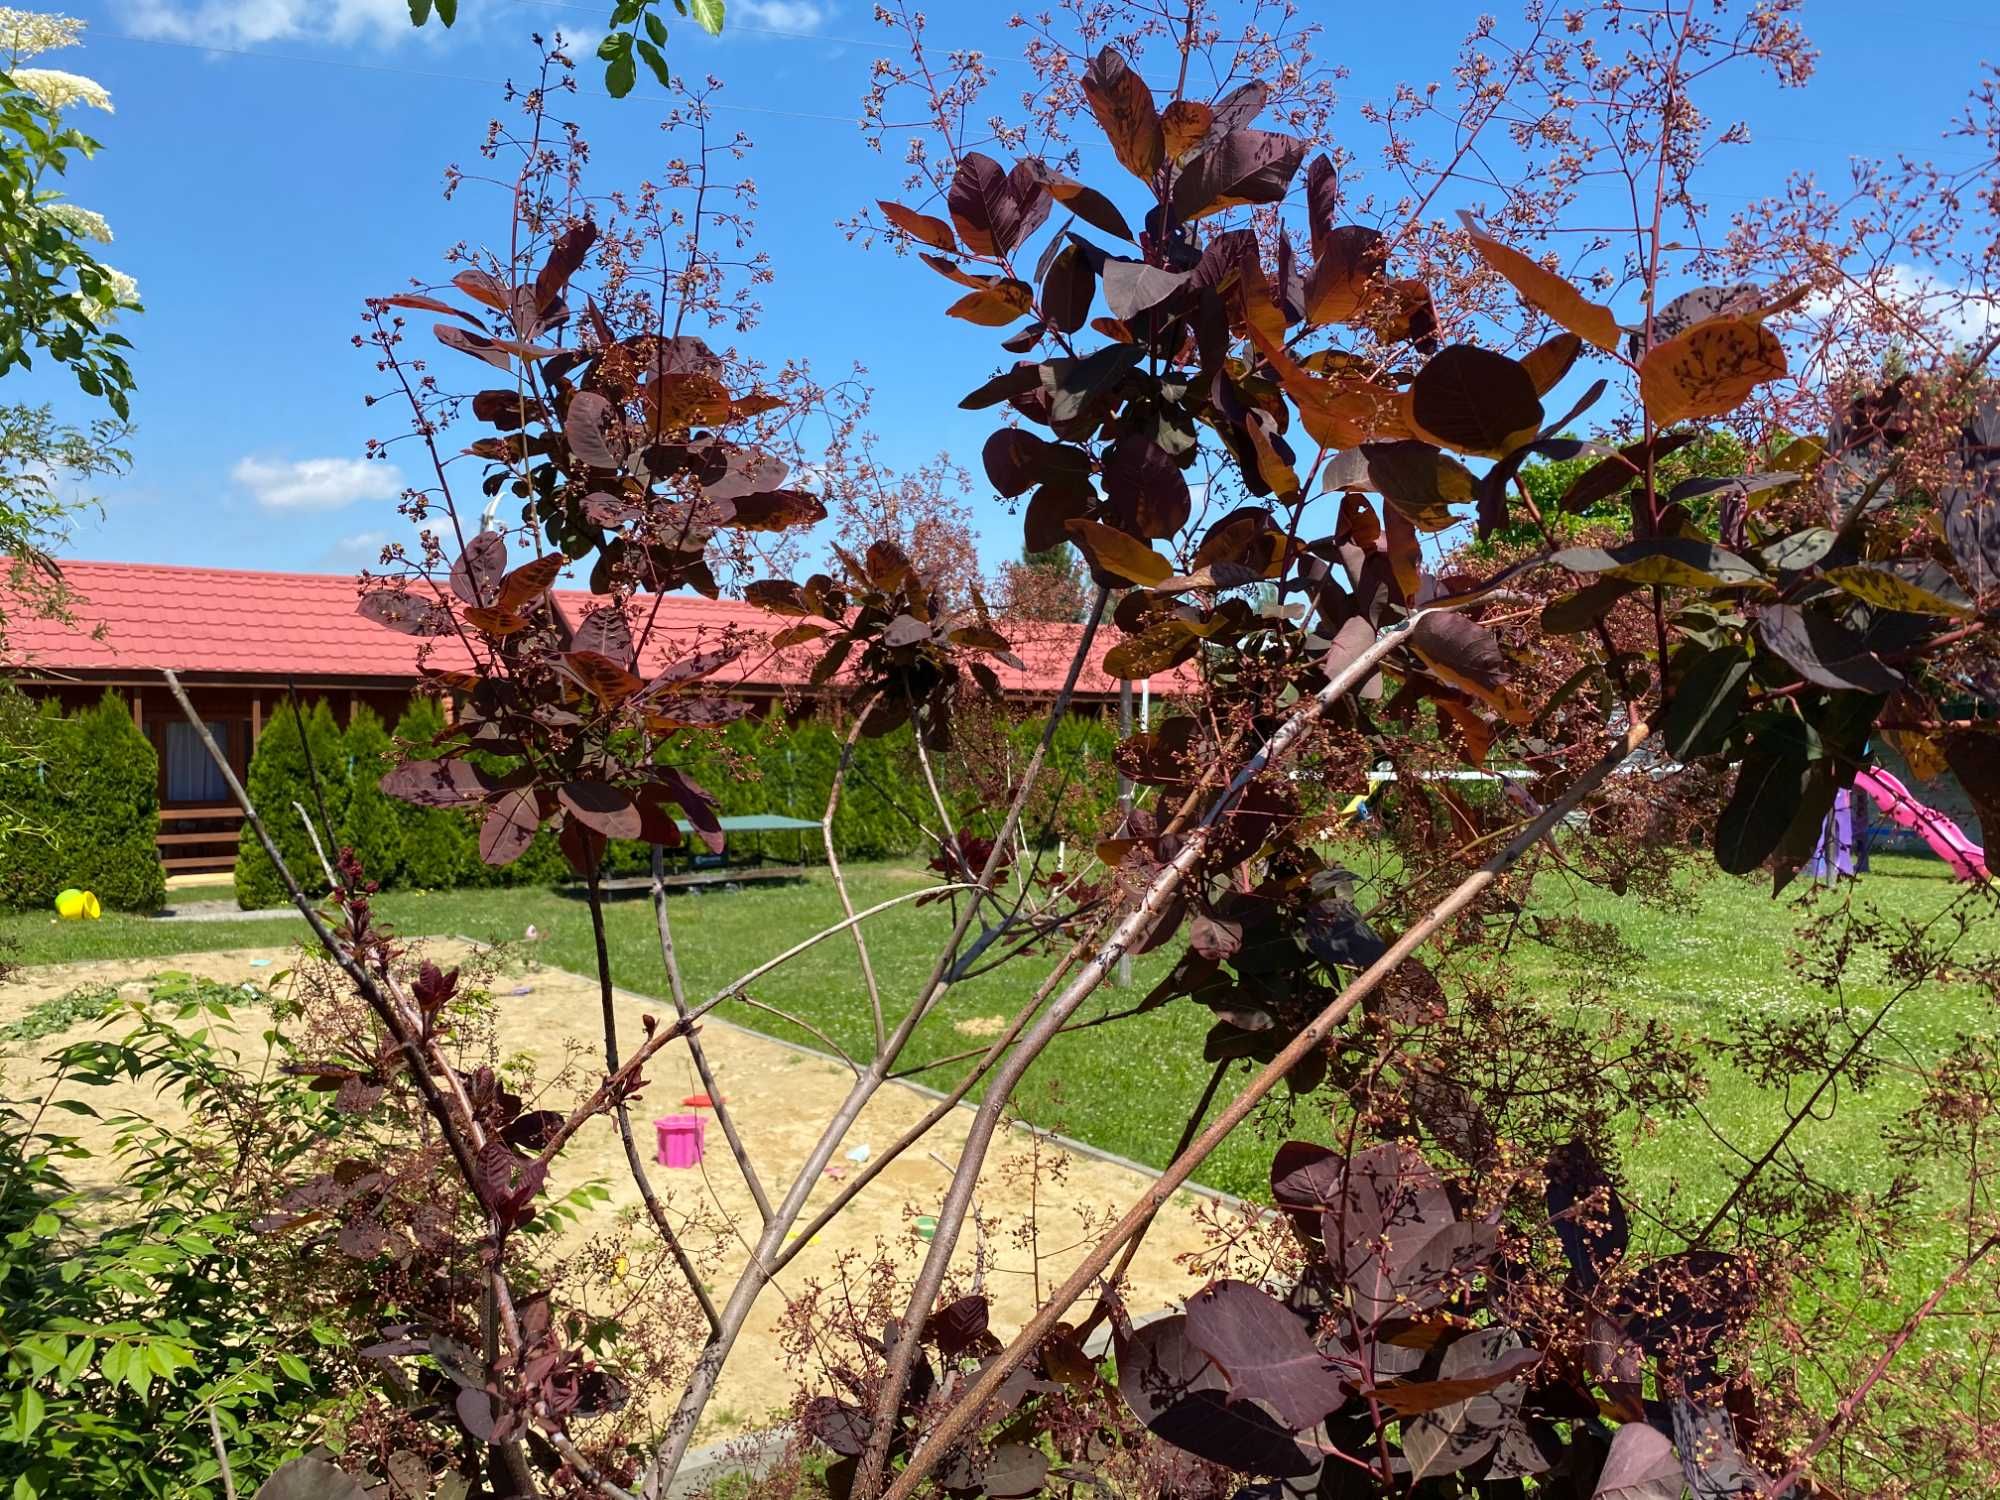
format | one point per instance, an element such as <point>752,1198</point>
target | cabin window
<point>191,776</point>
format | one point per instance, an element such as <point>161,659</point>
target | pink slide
<point>1946,838</point>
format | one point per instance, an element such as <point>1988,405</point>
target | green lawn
<point>1127,1087</point>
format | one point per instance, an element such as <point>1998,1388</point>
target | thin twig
<point>877,1163</point>
<point>221,1454</point>
<point>840,881</point>
<point>461,1129</point>
<point>965,1410</point>
<point>1164,890</point>
<point>757,1274</point>
<point>724,1116</point>
<point>607,1000</point>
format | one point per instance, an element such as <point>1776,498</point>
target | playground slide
<point>1946,838</point>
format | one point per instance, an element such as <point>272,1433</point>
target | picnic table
<point>695,864</point>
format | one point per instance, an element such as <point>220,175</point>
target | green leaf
<point>615,46</point>
<point>447,11</point>
<point>656,28</point>
<point>621,73</point>
<point>420,12</point>
<point>295,1368</point>
<point>28,1414</point>
<point>654,60</point>
<point>707,15</point>
<point>1708,702</point>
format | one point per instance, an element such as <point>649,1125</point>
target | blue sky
<point>273,162</point>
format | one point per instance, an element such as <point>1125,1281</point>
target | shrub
<point>371,826</point>
<point>79,806</point>
<point>278,778</point>
<point>128,1333</point>
<point>440,846</point>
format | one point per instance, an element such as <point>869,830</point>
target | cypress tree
<point>371,827</point>
<point>279,779</point>
<point>79,806</point>
<point>440,845</point>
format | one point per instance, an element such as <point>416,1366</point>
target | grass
<point>1127,1088</point>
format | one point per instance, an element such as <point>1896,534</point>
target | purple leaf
<point>588,424</point>
<point>475,577</point>
<point>1264,1350</point>
<point>601,808</point>
<point>404,612</point>
<point>1175,1389</point>
<point>436,783</point>
<point>509,827</point>
<point>1640,1466</point>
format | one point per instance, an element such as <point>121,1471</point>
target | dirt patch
<point>550,1019</point>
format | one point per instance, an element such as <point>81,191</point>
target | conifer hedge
<point>279,784</point>
<point>755,766</point>
<point>79,805</point>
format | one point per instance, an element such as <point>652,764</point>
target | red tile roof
<point>136,618</point>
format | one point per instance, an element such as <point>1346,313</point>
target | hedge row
<point>756,766</point>
<point>79,805</point>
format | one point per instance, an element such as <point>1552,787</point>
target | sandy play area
<point>780,1095</point>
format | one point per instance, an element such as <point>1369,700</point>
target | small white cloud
<point>777,15</point>
<point>1961,317</point>
<point>315,483</point>
<point>361,550</point>
<point>579,42</point>
<point>242,23</point>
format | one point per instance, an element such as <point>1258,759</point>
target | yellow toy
<point>74,905</point>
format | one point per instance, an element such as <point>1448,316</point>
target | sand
<point>779,1096</point>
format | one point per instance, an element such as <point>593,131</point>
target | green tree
<point>82,795</point>
<point>57,299</point>
<point>128,1333</point>
<point>56,296</point>
<point>280,783</point>
<point>1714,455</point>
<point>440,847</point>
<point>371,826</point>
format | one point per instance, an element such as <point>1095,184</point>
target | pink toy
<point>681,1138</point>
<point>1947,840</point>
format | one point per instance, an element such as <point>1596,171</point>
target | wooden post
<point>256,719</point>
<point>138,713</point>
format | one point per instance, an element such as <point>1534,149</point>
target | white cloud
<point>580,42</point>
<point>1925,298</point>
<point>245,23</point>
<point>361,550</point>
<point>777,15</point>
<point>315,483</point>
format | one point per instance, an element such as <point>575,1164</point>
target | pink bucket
<point>681,1139</point>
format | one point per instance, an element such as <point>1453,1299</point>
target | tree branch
<point>966,1409</point>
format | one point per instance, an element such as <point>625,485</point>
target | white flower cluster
<point>27,33</point>
<point>58,90</point>
<point>83,223</point>
<point>124,293</point>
